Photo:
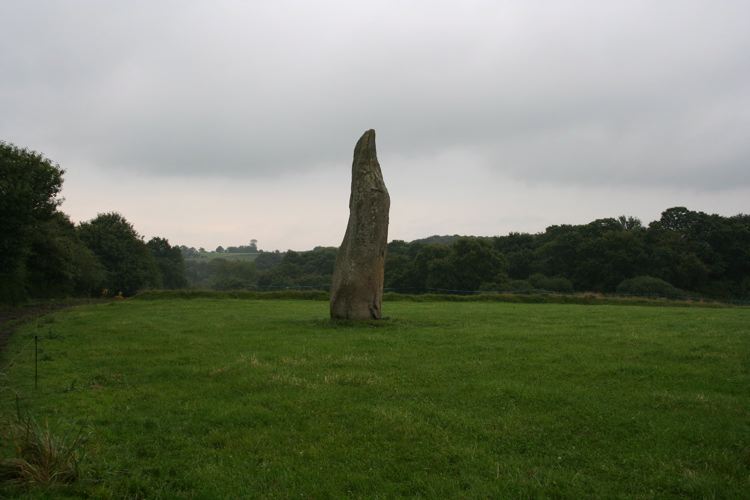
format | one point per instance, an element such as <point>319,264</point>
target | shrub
<point>555,284</point>
<point>491,287</point>
<point>648,286</point>
<point>520,286</point>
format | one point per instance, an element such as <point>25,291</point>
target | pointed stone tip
<point>366,143</point>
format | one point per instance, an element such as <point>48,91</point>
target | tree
<point>169,261</point>
<point>475,261</point>
<point>129,264</point>
<point>269,260</point>
<point>426,271</point>
<point>629,223</point>
<point>59,264</point>
<point>678,219</point>
<point>518,249</point>
<point>311,269</point>
<point>29,186</point>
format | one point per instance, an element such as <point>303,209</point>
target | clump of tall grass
<point>41,456</point>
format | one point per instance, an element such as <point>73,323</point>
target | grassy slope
<point>227,398</point>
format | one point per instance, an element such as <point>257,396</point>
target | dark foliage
<point>128,262</point>
<point>170,263</point>
<point>29,185</point>
<point>43,255</point>
<point>313,269</point>
<point>60,264</point>
<point>702,254</point>
<point>648,286</point>
<point>267,260</point>
<point>220,274</point>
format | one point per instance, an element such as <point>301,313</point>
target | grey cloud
<point>565,92</point>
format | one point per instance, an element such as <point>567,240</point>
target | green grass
<point>229,398</point>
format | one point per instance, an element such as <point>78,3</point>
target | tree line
<point>684,253</point>
<point>43,254</point>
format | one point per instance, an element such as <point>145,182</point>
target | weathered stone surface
<point>357,290</point>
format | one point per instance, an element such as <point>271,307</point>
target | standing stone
<point>357,290</point>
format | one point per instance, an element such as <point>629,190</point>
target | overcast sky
<point>216,122</point>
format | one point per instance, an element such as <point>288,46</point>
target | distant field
<point>249,257</point>
<point>208,398</point>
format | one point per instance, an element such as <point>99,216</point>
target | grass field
<point>230,398</point>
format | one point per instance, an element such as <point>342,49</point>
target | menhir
<point>357,290</point>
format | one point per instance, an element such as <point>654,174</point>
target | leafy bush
<point>648,286</point>
<point>490,287</point>
<point>520,286</point>
<point>129,264</point>
<point>554,284</point>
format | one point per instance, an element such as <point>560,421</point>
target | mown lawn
<point>229,398</point>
